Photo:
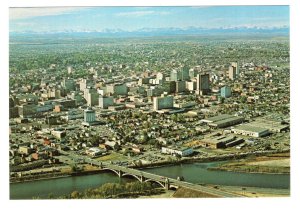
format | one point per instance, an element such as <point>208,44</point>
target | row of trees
<point>115,190</point>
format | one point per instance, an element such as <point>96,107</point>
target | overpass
<point>142,176</point>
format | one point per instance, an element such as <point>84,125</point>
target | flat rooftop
<point>220,139</point>
<point>272,125</point>
<point>248,127</point>
<point>231,118</point>
<point>218,118</point>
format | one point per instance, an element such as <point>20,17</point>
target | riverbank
<point>115,191</point>
<point>195,173</point>
<point>247,163</point>
<point>269,164</point>
<point>226,157</point>
<point>65,171</point>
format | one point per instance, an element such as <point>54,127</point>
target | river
<point>195,173</point>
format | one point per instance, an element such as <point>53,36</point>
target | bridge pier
<point>167,184</point>
<point>120,173</point>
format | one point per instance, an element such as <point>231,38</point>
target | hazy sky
<point>133,18</point>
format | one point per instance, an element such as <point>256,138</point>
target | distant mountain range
<point>146,32</point>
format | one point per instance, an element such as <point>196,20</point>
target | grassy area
<point>90,168</point>
<point>257,192</point>
<point>113,156</point>
<point>66,169</point>
<point>189,193</point>
<point>164,194</point>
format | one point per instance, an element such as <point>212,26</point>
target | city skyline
<point>100,19</point>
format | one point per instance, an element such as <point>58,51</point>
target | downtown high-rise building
<point>233,71</point>
<point>203,84</point>
<point>89,115</point>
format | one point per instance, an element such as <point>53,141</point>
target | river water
<point>195,173</point>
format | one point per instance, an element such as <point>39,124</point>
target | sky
<point>56,19</point>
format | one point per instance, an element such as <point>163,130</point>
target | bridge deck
<point>147,175</point>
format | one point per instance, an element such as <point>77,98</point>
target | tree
<point>180,118</point>
<point>243,99</point>
<point>75,195</point>
<point>178,156</point>
<point>174,117</point>
<point>94,140</point>
<point>50,196</point>
<point>75,168</point>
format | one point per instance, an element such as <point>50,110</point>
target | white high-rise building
<point>233,71</point>
<point>70,69</point>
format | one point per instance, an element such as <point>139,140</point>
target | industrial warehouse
<point>222,121</point>
<point>221,141</point>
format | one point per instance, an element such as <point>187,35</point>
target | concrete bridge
<point>142,176</point>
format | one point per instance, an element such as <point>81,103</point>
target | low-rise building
<point>222,121</point>
<point>225,92</point>
<point>95,151</point>
<point>74,114</point>
<point>221,141</point>
<point>25,150</point>
<point>175,150</point>
<point>248,130</point>
<point>58,134</point>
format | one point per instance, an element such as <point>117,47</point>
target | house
<point>137,149</point>
<point>59,134</point>
<point>25,150</point>
<point>95,151</point>
<point>40,155</point>
<point>103,146</point>
<point>47,141</point>
<point>112,144</point>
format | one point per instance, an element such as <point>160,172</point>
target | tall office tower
<point>89,115</point>
<point>203,86</point>
<point>180,86</point>
<point>235,64</point>
<point>87,91</point>
<point>192,73</point>
<point>233,71</point>
<point>68,84</point>
<point>181,74</point>
<point>117,89</point>
<point>185,73</point>
<point>175,75</point>
<point>92,98</point>
<point>84,83</point>
<point>163,102</point>
<point>105,102</point>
